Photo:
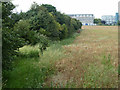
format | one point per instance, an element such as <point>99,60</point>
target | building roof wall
<point>84,18</point>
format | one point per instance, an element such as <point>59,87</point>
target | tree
<point>9,37</point>
<point>46,21</point>
<point>103,22</point>
<point>17,16</point>
<point>64,32</point>
<point>27,28</point>
<point>37,25</point>
<point>76,23</point>
<point>23,29</point>
<point>118,23</point>
<point>7,8</point>
<point>50,8</point>
<point>97,21</point>
<point>45,18</point>
<point>59,17</point>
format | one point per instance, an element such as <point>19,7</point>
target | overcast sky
<point>96,7</point>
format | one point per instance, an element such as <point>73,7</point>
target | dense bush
<point>64,32</point>
<point>37,25</point>
<point>48,21</point>
<point>22,28</point>
<point>50,8</point>
<point>11,40</point>
<point>44,21</point>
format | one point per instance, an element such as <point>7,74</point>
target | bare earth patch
<point>94,44</point>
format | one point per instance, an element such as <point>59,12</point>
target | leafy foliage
<point>11,40</point>
<point>97,21</point>
<point>38,25</point>
<point>64,32</point>
<point>50,8</point>
<point>7,8</point>
<point>45,22</point>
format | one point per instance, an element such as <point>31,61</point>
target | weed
<point>98,76</point>
<point>31,69</point>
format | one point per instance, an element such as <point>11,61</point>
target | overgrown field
<point>85,60</point>
<point>92,60</point>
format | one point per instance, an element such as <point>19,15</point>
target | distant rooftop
<point>107,15</point>
<point>79,14</point>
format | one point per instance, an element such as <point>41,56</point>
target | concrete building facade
<point>109,19</point>
<point>85,19</point>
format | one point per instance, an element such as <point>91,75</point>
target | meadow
<point>92,60</point>
<point>85,60</point>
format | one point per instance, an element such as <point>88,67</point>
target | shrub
<point>11,42</point>
<point>64,32</point>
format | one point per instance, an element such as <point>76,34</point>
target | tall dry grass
<point>92,61</point>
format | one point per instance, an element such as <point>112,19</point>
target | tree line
<point>40,24</point>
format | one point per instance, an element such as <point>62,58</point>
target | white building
<point>109,19</point>
<point>86,19</point>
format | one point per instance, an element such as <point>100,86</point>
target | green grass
<point>31,69</point>
<point>98,75</point>
<point>69,40</point>
<point>29,51</point>
<point>68,85</point>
